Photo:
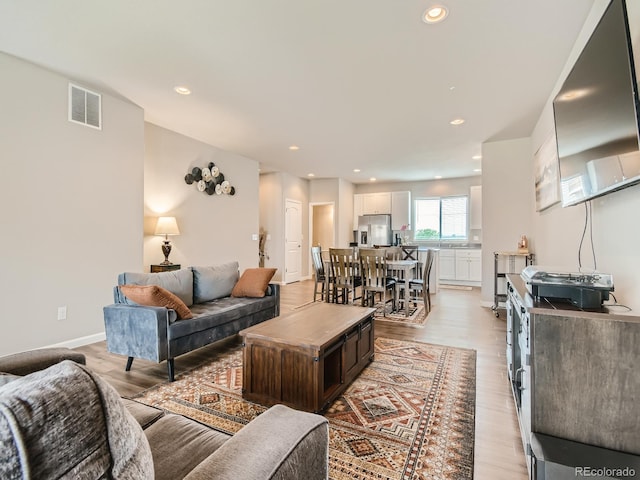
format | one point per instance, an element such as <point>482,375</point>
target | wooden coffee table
<point>306,358</point>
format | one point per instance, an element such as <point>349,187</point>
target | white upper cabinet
<point>475,208</point>
<point>376,203</point>
<point>400,209</point>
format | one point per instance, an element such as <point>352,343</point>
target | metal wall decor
<point>209,180</point>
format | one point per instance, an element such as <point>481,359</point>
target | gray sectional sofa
<point>66,422</point>
<point>156,333</point>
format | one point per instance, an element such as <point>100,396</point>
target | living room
<point>94,188</point>
<point>80,205</point>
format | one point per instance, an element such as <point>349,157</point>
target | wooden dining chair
<point>375,278</point>
<point>320,275</point>
<point>419,287</point>
<point>345,274</point>
<point>410,252</point>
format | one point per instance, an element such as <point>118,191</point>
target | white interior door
<point>293,241</point>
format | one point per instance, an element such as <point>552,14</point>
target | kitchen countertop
<point>453,246</point>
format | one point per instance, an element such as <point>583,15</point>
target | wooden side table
<point>165,268</point>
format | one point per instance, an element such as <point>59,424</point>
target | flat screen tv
<point>596,114</point>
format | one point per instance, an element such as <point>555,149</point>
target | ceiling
<point>355,84</point>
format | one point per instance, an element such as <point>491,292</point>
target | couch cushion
<point>253,282</point>
<point>144,414</point>
<point>65,422</point>
<point>179,445</point>
<point>155,296</point>
<point>218,312</point>
<point>214,282</point>
<point>178,282</point>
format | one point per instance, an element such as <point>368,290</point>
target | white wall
<point>213,228</point>
<point>71,207</point>
<point>275,189</point>
<point>272,221</point>
<point>558,230</point>
<point>327,191</point>
<point>345,212</point>
<point>507,194</point>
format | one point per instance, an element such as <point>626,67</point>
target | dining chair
<point>421,285</point>
<point>410,252</point>
<point>320,274</point>
<point>345,273</point>
<point>375,278</point>
<point>394,253</point>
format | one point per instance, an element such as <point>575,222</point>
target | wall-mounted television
<point>596,114</point>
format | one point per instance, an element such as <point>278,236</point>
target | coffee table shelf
<point>305,359</point>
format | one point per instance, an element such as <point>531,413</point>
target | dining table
<point>407,267</point>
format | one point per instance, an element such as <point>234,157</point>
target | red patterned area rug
<point>417,315</point>
<point>409,415</point>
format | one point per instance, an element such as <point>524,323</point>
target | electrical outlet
<point>254,236</point>
<point>62,313</point>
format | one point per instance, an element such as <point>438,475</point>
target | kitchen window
<point>443,218</point>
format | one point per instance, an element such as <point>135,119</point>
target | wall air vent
<point>85,107</point>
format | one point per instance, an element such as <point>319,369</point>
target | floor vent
<point>85,107</point>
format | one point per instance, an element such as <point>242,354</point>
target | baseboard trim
<point>81,341</point>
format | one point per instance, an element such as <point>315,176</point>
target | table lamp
<point>167,226</point>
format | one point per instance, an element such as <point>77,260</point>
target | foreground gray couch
<point>157,334</point>
<point>65,422</point>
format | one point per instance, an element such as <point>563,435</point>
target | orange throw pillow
<point>156,296</point>
<point>253,282</point>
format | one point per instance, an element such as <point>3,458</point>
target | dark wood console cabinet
<point>575,385</point>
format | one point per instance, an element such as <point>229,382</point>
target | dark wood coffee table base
<point>305,359</point>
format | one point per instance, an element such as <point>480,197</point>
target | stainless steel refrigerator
<point>374,230</point>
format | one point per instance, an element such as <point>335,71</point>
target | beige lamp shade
<point>167,226</point>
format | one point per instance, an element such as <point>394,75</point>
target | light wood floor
<point>457,319</point>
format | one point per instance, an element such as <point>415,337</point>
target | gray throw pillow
<point>178,282</point>
<point>214,282</point>
<point>6,378</point>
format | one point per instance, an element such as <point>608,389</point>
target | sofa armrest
<point>137,331</point>
<point>274,290</point>
<point>24,363</point>
<point>280,444</point>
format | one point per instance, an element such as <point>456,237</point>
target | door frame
<point>310,234</point>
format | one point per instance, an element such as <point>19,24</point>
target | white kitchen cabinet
<point>475,207</point>
<point>358,209</point>
<point>400,209</point>
<point>468,265</point>
<point>376,203</point>
<point>447,264</point>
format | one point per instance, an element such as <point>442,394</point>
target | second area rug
<point>409,415</point>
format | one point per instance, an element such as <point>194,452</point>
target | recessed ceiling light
<point>294,148</point>
<point>438,177</point>
<point>182,90</point>
<point>310,175</point>
<point>435,14</point>
<point>457,121</point>
<point>477,169</point>
<point>372,179</point>
<point>477,157</point>
<point>356,170</point>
